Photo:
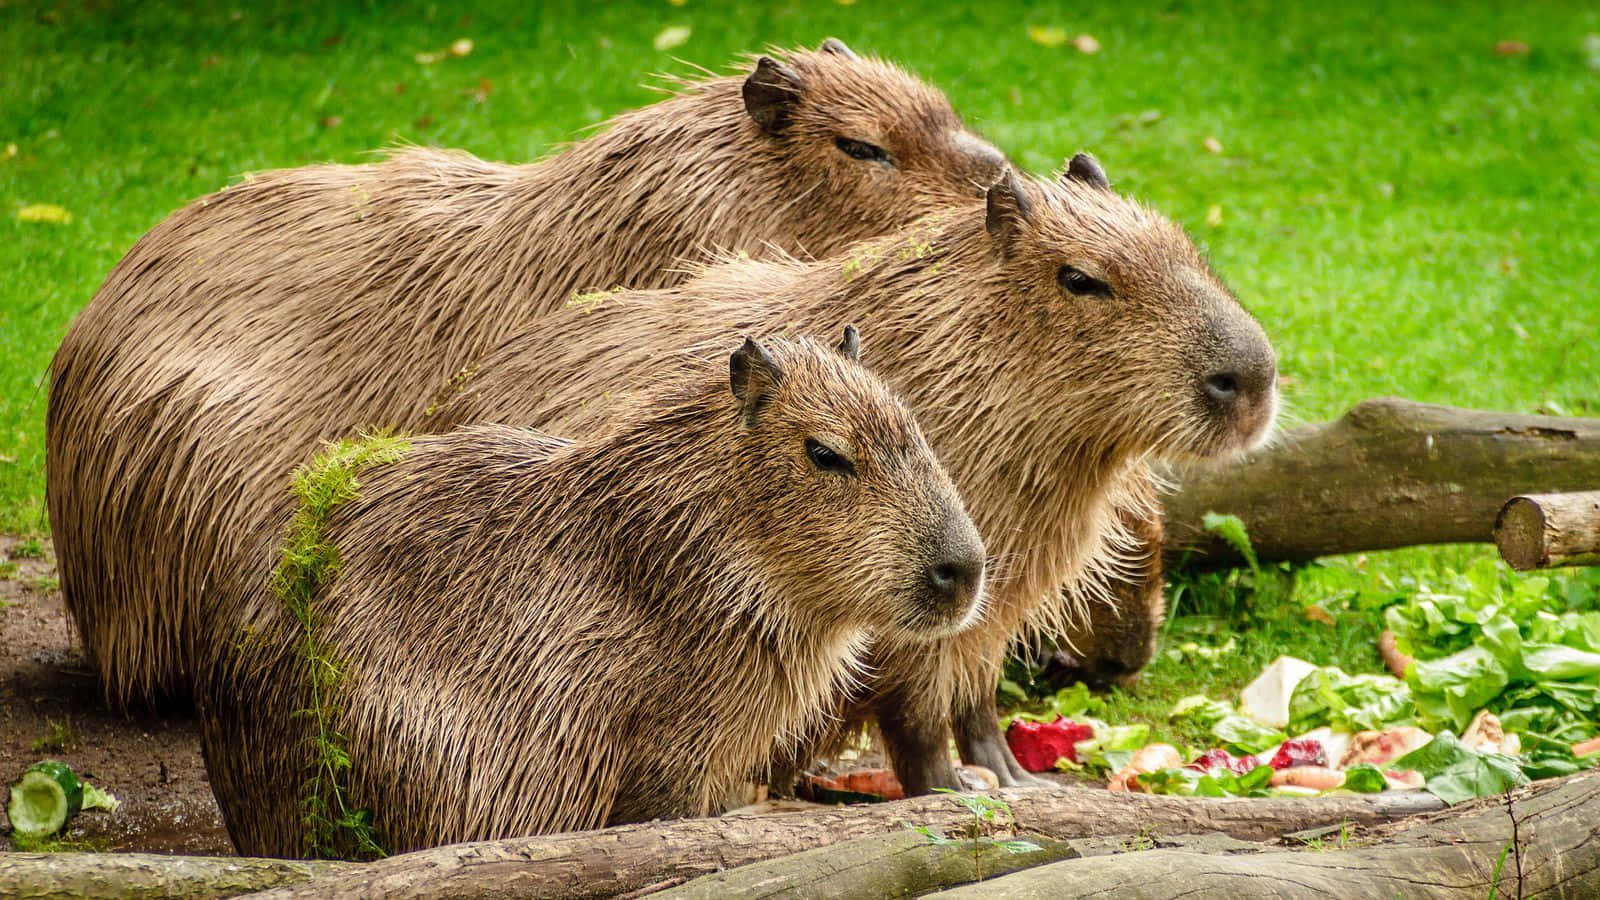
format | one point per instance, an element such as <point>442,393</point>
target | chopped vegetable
<point>1267,698</point>
<point>862,785</point>
<point>1038,745</point>
<point>1456,772</point>
<point>1110,749</point>
<point>1364,779</point>
<point>1316,777</point>
<point>1379,747</point>
<point>1218,758</point>
<point>44,798</point>
<point>1299,752</point>
<point>1149,759</point>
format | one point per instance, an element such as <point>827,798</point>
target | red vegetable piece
<point>1037,745</point>
<point>1300,752</point>
<point>1218,758</point>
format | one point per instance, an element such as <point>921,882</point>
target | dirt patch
<point>51,707</point>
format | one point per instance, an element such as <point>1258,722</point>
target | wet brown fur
<point>545,636</point>
<point>303,304</point>
<point>1044,405</point>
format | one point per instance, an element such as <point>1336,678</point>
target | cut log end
<point>1538,531</point>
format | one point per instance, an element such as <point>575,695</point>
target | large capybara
<point>1050,340</point>
<point>539,636</point>
<point>304,304</point>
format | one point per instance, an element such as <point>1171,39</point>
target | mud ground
<point>51,707</point>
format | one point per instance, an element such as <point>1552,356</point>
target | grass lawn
<point>1408,210</point>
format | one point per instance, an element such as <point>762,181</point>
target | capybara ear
<point>1008,210</point>
<point>837,48</point>
<point>754,378</point>
<point>1086,169</point>
<point>850,344</point>
<point>770,94</point>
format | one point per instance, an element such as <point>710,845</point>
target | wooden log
<point>654,856</point>
<point>1544,843</point>
<point>1389,473</point>
<point>61,875</point>
<point>635,858</point>
<point>901,864</point>
<point>1540,531</point>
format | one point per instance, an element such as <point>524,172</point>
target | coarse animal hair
<point>304,304</point>
<point>540,635</point>
<point>1044,404</point>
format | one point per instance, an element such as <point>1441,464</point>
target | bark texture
<point>1389,473</point>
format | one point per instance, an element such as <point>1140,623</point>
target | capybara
<point>539,636</point>
<point>1050,340</point>
<point>305,304</point>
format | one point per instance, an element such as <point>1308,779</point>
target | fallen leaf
<point>424,121</point>
<point>331,122</point>
<point>1047,35</point>
<point>1086,44</point>
<point>333,40</point>
<point>1511,48</point>
<point>461,47</point>
<point>211,62</point>
<point>1214,216</point>
<point>44,212</point>
<point>8,460</point>
<point>1213,145</point>
<point>400,87</point>
<point>1316,613</point>
<point>671,36</point>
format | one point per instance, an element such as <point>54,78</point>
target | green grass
<point>1408,212</point>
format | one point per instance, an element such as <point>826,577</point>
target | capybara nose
<point>1222,387</point>
<point>954,580</point>
<point>1240,381</point>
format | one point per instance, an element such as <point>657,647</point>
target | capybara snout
<point>1238,389</point>
<point>954,577</point>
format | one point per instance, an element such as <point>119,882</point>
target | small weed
<point>989,816</point>
<point>46,584</point>
<point>8,569</point>
<point>1144,840</point>
<point>1320,843</point>
<point>57,738</point>
<point>28,549</point>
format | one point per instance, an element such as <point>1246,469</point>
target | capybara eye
<point>827,459</point>
<point>1080,283</point>
<point>861,150</point>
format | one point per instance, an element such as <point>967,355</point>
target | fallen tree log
<point>37,876</point>
<point>1389,473</point>
<point>1540,531</point>
<point>633,858</point>
<point>902,864</point>
<point>1545,842</point>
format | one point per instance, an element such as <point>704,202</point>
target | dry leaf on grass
<point>1212,145</point>
<point>1047,35</point>
<point>44,212</point>
<point>671,36</point>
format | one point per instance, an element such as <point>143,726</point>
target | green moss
<point>307,564</point>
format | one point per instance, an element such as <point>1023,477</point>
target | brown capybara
<point>1049,340</point>
<point>542,636</point>
<point>304,304</point>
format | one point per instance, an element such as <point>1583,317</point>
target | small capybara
<point>542,636</point>
<point>302,305</point>
<point>1050,340</point>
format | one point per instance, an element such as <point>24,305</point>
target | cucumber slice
<point>47,795</point>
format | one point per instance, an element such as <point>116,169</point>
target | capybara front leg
<point>978,738</point>
<point>919,748</point>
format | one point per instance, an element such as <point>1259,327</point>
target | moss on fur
<point>307,564</point>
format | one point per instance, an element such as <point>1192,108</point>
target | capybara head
<point>1148,342</point>
<point>864,138</point>
<point>851,502</point>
